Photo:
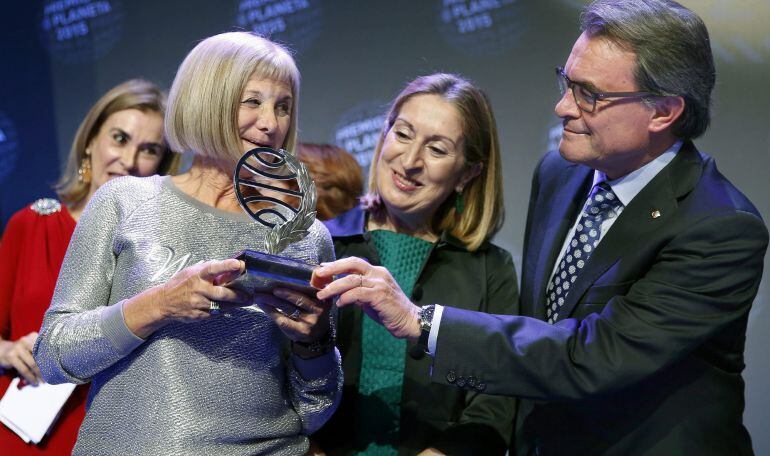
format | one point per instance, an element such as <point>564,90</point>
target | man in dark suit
<point>641,261</point>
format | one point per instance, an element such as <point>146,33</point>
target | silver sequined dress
<point>225,385</point>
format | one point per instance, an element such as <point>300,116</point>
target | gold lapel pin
<point>655,214</point>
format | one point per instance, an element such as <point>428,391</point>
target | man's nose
<point>566,106</point>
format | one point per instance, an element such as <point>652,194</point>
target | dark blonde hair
<point>337,176</point>
<point>483,211</point>
<point>203,102</point>
<point>132,94</point>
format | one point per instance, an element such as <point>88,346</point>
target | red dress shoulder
<point>31,253</point>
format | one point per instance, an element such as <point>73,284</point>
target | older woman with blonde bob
<point>435,200</point>
<point>134,310</point>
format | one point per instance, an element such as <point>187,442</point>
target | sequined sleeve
<point>82,334</point>
<point>315,385</point>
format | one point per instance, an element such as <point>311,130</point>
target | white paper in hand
<point>31,410</point>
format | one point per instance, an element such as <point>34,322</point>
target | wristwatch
<point>315,348</point>
<point>426,320</point>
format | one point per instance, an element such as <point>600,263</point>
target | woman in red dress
<point>122,134</point>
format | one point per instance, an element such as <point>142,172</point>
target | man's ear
<point>666,112</point>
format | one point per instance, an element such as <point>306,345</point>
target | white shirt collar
<point>628,186</point>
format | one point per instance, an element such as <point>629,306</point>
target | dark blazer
<point>647,354</point>
<point>452,420</point>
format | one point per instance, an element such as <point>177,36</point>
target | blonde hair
<point>132,94</point>
<point>202,115</point>
<point>483,212</point>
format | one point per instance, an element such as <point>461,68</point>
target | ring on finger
<point>361,281</point>
<point>214,308</point>
<point>294,315</point>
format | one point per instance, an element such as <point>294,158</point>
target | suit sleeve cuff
<point>433,336</point>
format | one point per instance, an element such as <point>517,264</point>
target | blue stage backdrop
<point>57,57</point>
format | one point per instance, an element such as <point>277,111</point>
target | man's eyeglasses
<point>586,99</point>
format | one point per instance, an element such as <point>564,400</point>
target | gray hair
<point>673,52</point>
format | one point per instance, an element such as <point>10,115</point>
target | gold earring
<point>84,172</point>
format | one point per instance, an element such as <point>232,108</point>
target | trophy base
<point>264,272</point>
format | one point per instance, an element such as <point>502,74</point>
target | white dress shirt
<point>625,188</point>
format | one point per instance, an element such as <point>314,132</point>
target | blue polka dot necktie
<point>602,204</point>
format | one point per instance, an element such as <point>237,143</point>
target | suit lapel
<point>564,206</point>
<point>637,221</point>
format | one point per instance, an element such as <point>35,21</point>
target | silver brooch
<point>46,206</point>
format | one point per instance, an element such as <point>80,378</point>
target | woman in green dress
<point>434,202</point>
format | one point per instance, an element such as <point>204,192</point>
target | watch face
<point>426,315</point>
<point>426,319</point>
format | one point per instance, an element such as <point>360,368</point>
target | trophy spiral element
<point>258,169</point>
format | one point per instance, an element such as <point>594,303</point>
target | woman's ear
<point>469,174</point>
